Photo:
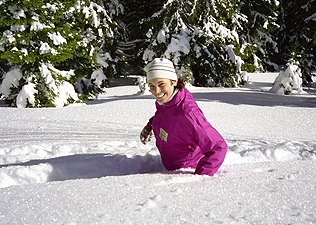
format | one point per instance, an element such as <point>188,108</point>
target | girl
<point>183,136</point>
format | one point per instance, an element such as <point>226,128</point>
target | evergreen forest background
<point>48,46</point>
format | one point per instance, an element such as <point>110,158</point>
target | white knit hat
<point>161,68</point>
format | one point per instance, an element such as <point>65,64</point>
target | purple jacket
<point>184,137</point>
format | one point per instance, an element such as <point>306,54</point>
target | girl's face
<point>162,89</point>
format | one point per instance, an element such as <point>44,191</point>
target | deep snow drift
<point>84,164</point>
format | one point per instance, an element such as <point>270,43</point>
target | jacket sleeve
<point>212,145</point>
<point>150,122</point>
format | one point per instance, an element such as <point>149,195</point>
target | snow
<point>312,17</point>
<point>66,91</point>
<point>57,38</point>
<point>11,80</point>
<point>98,76</point>
<point>289,80</point>
<point>84,163</point>
<point>26,95</point>
<point>37,26</point>
<point>234,58</point>
<point>8,35</point>
<point>51,7</point>
<point>17,13</point>
<point>45,49</point>
<point>161,37</point>
<point>179,43</point>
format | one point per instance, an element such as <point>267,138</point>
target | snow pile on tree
<point>289,80</point>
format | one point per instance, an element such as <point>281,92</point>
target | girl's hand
<point>146,135</point>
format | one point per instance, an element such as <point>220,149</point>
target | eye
<point>161,84</point>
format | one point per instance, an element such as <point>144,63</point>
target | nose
<point>154,89</point>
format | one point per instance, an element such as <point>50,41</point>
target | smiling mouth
<point>160,95</point>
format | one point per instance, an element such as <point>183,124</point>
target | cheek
<point>165,90</point>
<point>170,90</point>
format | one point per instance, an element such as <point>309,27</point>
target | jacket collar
<point>174,93</point>
<point>175,99</point>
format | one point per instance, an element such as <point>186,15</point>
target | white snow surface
<point>84,164</point>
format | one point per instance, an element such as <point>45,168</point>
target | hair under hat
<point>161,68</point>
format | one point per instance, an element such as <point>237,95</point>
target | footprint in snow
<point>179,180</point>
<point>150,202</point>
<point>290,176</point>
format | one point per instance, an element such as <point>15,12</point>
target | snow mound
<point>288,81</point>
<point>43,163</point>
<point>57,162</point>
<point>79,166</point>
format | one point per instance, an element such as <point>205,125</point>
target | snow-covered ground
<point>84,164</point>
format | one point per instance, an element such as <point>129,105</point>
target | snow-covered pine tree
<point>297,34</point>
<point>289,80</point>
<point>50,47</point>
<point>213,61</point>
<point>133,34</point>
<point>195,35</point>
<point>257,46</point>
<point>107,53</point>
<point>168,35</point>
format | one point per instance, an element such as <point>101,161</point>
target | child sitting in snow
<point>184,137</point>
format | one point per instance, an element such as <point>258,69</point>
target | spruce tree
<point>190,33</point>
<point>133,33</point>
<point>297,35</point>
<point>53,47</point>
<point>257,46</point>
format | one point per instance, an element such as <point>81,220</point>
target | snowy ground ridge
<point>41,163</point>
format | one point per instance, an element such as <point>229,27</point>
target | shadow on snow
<point>257,99</point>
<point>238,97</point>
<point>82,166</point>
